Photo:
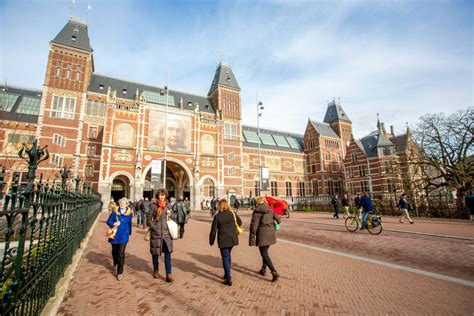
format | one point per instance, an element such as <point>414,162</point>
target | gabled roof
<point>335,112</point>
<point>324,129</point>
<point>271,139</point>
<point>383,141</point>
<point>224,77</point>
<point>18,104</point>
<point>400,141</point>
<point>74,34</point>
<point>368,144</point>
<point>127,90</point>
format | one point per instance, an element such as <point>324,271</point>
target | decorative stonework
<point>123,155</point>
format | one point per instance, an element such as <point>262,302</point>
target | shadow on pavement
<point>193,268</point>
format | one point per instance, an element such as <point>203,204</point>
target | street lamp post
<point>165,92</point>
<point>259,113</point>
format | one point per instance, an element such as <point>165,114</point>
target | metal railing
<point>41,227</point>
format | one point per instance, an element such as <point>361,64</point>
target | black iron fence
<point>41,227</point>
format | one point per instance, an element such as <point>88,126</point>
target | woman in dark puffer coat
<point>160,238</point>
<point>262,234</point>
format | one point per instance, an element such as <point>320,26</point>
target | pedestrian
<point>223,224</point>
<point>181,212</point>
<point>237,204</point>
<point>404,206</point>
<point>366,203</point>
<point>140,214</point>
<point>160,238</point>
<point>112,206</point>
<point>213,206</point>
<point>358,206</point>
<point>335,205</point>
<point>262,234</point>
<point>146,208</point>
<point>121,217</point>
<point>345,205</point>
<point>469,200</point>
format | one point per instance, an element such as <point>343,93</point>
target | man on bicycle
<point>366,203</point>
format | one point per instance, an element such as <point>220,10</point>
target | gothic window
<point>58,69</point>
<point>274,186</point>
<point>68,71</point>
<point>90,150</point>
<point>288,189</point>
<point>78,73</point>
<point>89,171</point>
<point>93,132</point>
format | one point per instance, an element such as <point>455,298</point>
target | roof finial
<point>378,122</point>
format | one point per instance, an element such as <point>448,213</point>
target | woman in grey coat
<point>262,234</point>
<point>160,238</point>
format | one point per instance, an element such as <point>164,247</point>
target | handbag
<point>172,227</point>
<point>112,231</point>
<point>238,228</point>
<point>147,235</point>
<point>276,226</point>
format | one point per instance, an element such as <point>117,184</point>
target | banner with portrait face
<point>178,132</point>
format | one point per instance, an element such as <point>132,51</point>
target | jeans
<point>226,262</point>
<point>364,219</point>
<point>118,254</point>
<point>181,230</point>
<point>336,211</point>
<point>267,262</point>
<point>167,253</point>
<point>140,218</point>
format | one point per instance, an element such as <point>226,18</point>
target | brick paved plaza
<point>312,282</point>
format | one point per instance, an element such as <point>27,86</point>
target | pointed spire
<point>335,112</point>
<point>225,77</point>
<point>74,34</point>
<point>379,126</point>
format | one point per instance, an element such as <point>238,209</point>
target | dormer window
<point>101,87</point>
<point>73,38</point>
<point>124,91</point>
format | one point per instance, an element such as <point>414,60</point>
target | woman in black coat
<point>160,238</point>
<point>262,234</point>
<point>224,225</point>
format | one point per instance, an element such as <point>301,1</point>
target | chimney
<point>391,130</point>
<point>383,128</point>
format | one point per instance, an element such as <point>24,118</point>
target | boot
<point>169,278</point>
<point>275,276</point>
<point>263,271</point>
<point>156,275</point>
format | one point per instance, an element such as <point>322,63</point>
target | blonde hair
<point>261,200</point>
<point>223,206</point>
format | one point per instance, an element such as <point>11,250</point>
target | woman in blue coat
<point>122,218</point>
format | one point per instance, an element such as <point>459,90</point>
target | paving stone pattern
<point>311,283</point>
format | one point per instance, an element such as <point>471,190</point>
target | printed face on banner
<point>178,133</point>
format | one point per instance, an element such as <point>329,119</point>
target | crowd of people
<point>155,214</point>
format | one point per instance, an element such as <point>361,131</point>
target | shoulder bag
<point>112,231</point>
<point>238,228</point>
<point>172,227</point>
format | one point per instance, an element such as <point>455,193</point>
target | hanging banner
<point>156,172</point>
<point>265,178</point>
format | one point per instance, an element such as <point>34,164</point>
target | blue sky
<point>399,58</point>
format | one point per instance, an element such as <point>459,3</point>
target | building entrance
<point>177,182</point>
<point>120,186</point>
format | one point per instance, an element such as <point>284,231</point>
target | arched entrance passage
<point>208,189</point>
<point>120,188</point>
<point>178,181</point>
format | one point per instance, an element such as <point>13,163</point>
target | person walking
<point>237,205</point>
<point>121,217</point>
<point>335,205</point>
<point>223,224</point>
<point>358,206</point>
<point>181,212</point>
<point>469,200</point>
<point>404,207</point>
<point>214,202</point>
<point>160,238</point>
<point>366,204</point>
<point>345,205</point>
<point>262,234</point>
<point>140,214</point>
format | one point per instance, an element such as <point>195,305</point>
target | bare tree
<point>445,152</point>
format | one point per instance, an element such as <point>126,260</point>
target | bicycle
<point>373,223</point>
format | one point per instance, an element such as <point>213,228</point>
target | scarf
<point>161,207</point>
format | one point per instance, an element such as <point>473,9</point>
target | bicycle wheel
<point>351,223</point>
<point>287,214</point>
<point>375,227</point>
